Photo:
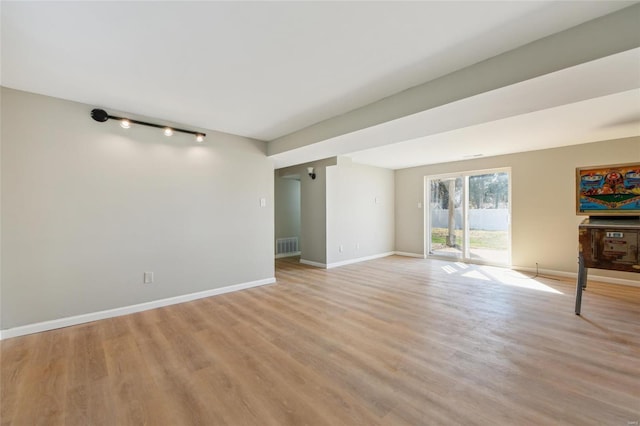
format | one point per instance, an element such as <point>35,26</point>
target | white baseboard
<point>407,254</point>
<point>611,280</point>
<point>125,310</point>
<point>359,259</point>
<point>281,255</point>
<point>312,263</point>
<point>345,262</point>
<point>590,276</point>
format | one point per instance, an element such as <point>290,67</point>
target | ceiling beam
<point>584,43</point>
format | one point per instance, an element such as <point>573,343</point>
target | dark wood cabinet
<point>610,244</point>
<point>607,244</point>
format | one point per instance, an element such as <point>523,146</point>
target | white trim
<point>611,280</point>
<point>359,259</point>
<point>590,277</point>
<point>312,263</point>
<point>294,253</point>
<point>407,254</point>
<point>125,310</point>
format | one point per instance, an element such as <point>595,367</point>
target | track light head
<point>312,172</point>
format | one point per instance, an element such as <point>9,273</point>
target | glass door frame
<point>465,253</point>
<point>427,215</point>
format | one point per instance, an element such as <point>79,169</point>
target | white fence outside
<point>481,219</point>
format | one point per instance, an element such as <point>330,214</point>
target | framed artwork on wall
<point>608,190</point>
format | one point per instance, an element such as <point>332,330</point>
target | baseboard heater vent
<point>287,247</point>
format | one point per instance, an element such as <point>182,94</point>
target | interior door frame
<point>465,254</point>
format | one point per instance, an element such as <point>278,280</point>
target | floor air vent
<point>287,247</point>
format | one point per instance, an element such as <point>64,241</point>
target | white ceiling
<point>263,69</point>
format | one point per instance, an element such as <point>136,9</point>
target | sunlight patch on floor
<point>449,269</point>
<point>517,279</point>
<point>498,275</point>
<point>477,275</point>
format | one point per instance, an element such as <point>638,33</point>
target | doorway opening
<point>469,216</point>
<point>287,216</point>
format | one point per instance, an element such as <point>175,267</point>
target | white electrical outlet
<point>419,205</point>
<point>357,246</point>
<point>263,202</point>
<point>341,248</point>
<point>148,277</point>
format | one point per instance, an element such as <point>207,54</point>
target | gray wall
<point>87,207</point>
<point>313,216</point>
<point>360,211</point>
<point>544,223</point>
<point>1,261</point>
<point>287,207</point>
<point>339,208</point>
<point>313,208</point>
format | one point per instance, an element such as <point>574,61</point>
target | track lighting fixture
<point>101,116</point>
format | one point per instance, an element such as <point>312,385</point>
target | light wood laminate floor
<point>394,341</point>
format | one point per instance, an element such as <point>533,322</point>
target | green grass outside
<point>496,240</point>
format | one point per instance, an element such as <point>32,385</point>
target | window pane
<point>489,217</point>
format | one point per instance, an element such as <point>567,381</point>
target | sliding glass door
<point>445,216</point>
<point>488,215</point>
<point>468,216</point>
